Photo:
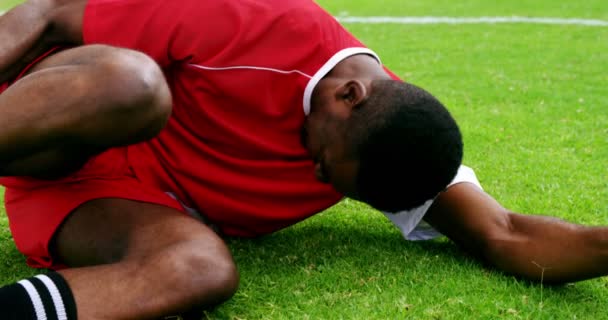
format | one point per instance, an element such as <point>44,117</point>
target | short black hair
<point>408,145</point>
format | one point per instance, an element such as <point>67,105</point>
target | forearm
<point>551,250</point>
<point>31,29</point>
<point>533,247</point>
<point>21,29</point>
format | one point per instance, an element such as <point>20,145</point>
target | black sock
<point>40,297</point>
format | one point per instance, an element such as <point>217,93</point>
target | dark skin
<point>142,244</point>
<point>127,260</point>
<point>532,247</point>
<point>145,261</point>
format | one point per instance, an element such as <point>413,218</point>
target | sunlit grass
<point>533,106</point>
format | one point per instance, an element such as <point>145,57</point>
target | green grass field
<point>532,102</point>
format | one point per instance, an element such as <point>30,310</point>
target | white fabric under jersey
<point>410,222</point>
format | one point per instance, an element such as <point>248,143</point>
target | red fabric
<point>232,147</point>
<point>36,208</point>
<point>231,150</point>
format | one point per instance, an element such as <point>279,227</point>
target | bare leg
<point>141,261</point>
<point>79,102</point>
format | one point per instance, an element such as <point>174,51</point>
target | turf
<point>5,4</point>
<point>532,103</point>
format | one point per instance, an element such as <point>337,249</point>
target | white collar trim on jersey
<point>326,68</point>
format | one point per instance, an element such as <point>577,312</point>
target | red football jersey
<point>241,73</point>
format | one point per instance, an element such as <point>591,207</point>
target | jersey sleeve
<point>410,222</point>
<point>169,31</point>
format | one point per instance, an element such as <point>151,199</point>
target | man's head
<point>388,143</point>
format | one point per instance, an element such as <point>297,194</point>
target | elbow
<point>506,249</point>
<point>500,240</point>
<point>511,250</point>
<point>64,21</point>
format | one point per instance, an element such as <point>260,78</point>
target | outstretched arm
<point>30,29</point>
<point>533,247</point>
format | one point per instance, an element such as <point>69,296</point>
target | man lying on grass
<point>262,113</point>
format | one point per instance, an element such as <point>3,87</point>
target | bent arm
<point>32,28</point>
<point>533,247</point>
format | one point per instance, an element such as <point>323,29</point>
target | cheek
<point>317,133</point>
<point>343,178</point>
<point>309,135</point>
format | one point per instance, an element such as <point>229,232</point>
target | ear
<point>352,93</point>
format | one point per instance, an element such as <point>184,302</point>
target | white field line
<point>473,20</point>
<point>470,20</point>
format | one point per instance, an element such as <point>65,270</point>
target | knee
<point>205,277</point>
<point>137,88</point>
<point>502,243</point>
<point>222,278</point>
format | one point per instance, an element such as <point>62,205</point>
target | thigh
<point>106,231</point>
<point>142,261</point>
<point>76,103</point>
<point>37,208</point>
<point>82,56</point>
<point>126,249</point>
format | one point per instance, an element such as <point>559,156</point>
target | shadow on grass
<point>321,264</point>
<point>323,243</point>
<point>376,252</point>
